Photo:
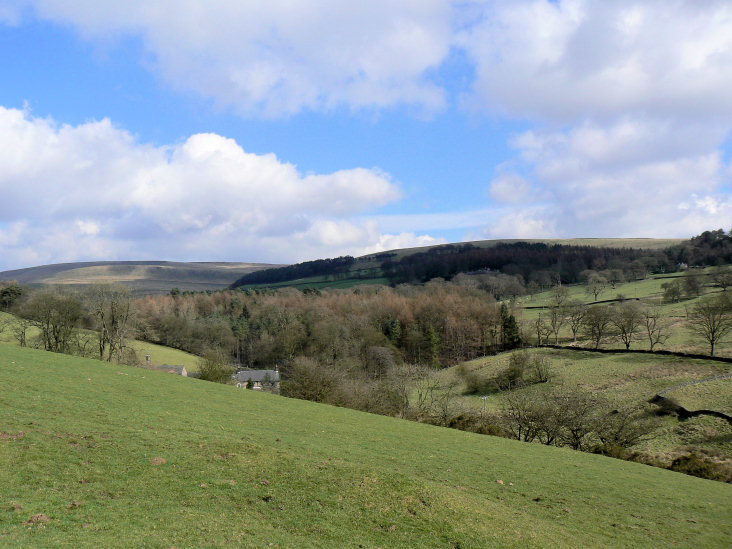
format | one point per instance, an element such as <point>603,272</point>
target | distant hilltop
<point>143,277</point>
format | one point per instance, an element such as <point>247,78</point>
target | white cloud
<point>10,12</point>
<point>92,191</point>
<point>402,240</point>
<point>285,56</point>
<point>510,188</point>
<point>566,60</point>
<point>596,182</point>
<point>628,100</point>
<point>530,223</point>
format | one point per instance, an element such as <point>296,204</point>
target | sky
<point>291,130</point>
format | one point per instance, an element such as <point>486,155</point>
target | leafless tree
<point>576,311</point>
<point>596,323</point>
<point>656,328</point>
<point>722,277</point>
<point>112,307</point>
<point>596,284</point>
<point>557,310</point>
<point>541,329</point>
<point>57,314</point>
<point>711,319</point>
<point>627,318</point>
<point>693,284</point>
<point>671,291</point>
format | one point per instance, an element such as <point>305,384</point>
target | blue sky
<point>291,130</point>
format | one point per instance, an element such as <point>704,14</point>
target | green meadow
<point>97,454</point>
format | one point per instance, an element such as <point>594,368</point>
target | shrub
<point>702,466</point>
<point>213,367</point>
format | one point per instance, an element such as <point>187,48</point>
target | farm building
<point>260,379</point>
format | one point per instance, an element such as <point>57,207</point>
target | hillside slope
<point>444,260</point>
<point>141,276</point>
<point>100,454</point>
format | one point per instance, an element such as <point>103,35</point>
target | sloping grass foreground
<point>106,455</point>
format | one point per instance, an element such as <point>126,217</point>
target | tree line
<point>96,322</point>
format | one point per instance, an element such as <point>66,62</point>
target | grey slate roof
<point>257,375</point>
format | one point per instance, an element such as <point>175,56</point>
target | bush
<point>306,379</point>
<point>474,423</point>
<point>524,369</point>
<point>702,466</point>
<point>213,367</point>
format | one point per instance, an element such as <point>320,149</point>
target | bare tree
<point>672,291</point>
<point>625,427</point>
<point>541,329</point>
<point>557,310</point>
<point>20,330</point>
<point>522,416</point>
<point>656,328</point>
<point>435,402</point>
<point>693,285</point>
<point>711,319</point>
<point>596,284</point>
<point>214,366</point>
<point>722,277</point>
<point>56,314</point>
<point>576,311</point>
<point>596,323</point>
<point>614,277</point>
<point>577,410</point>
<point>627,318</point>
<point>112,307</point>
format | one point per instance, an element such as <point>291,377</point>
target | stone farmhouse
<point>260,379</point>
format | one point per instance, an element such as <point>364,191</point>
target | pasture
<point>107,455</point>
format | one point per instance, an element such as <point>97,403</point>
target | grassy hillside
<point>647,291</point>
<point>367,269</point>
<point>628,381</point>
<point>107,455</point>
<point>143,277</point>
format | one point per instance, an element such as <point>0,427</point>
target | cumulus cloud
<point>285,56</point>
<point>92,191</point>
<point>630,108</point>
<point>510,188</point>
<point>403,240</point>
<point>562,61</point>
<point>597,184</point>
<point>628,102</point>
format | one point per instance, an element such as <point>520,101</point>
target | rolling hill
<point>109,455</point>
<point>143,277</point>
<point>407,265</point>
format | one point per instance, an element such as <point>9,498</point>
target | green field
<point>80,440</point>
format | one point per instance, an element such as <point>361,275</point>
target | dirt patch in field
<point>40,518</point>
<point>158,461</point>
<point>11,436</point>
